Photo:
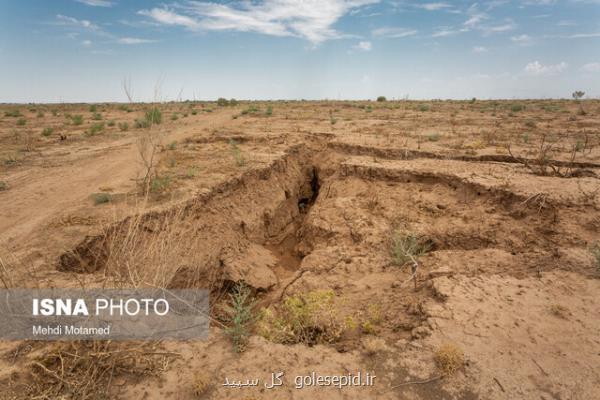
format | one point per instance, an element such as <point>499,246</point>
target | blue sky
<point>81,50</point>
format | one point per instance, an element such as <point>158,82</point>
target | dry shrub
<point>559,311</point>
<point>374,345</point>
<point>158,250</point>
<point>86,369</point>
<point>309,318</point>
<point>201,384</point>
<point>449,358</point>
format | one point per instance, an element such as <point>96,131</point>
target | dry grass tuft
<point>559,311</point>
<point>309,318</point>
<point>85,370</point>
<point>374,346</point>
<point>449,358</point>
<point>201,384</point>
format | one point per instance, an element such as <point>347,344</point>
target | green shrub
<point>153,116</point>
<point>97,117</point>
<point>407,247</point>
<point>423,108</point>
<point>433,137</point>
<point>239,316</point>
<point>237,153</point>
<point>174,117</point>
<point>172,145</point>
<point>194,112</point>
<point>111,123</point>
<point>77,119</point>
<point>47,131</point>
<point>269,111</point>
<point>222,102</point>
<point>101,198</point>
<point>12,113</point>
<point>3,186</point>
<point>381,99</point>
<point>123,126</point>
<point>40,114</point>
<point>21,121</point>
<point>516,108</point>
<point>160,184</point>
<point>93,108</point>
<point>95,129</point>
<point>141,123</point>
<point>233,102</point>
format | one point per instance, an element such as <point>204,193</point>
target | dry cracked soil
<point>313,206</point>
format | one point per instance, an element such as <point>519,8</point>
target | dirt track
<point>308,200</point>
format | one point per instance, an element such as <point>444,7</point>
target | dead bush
<point>86,369</point>
<point>449,358</point>
<point>309,318</point>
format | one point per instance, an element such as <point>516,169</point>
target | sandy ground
<point>307,199</point>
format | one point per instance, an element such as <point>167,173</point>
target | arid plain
<point>451,248</point>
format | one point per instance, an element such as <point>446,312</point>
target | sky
<point>83,50</point>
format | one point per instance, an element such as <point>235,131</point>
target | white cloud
<point>538,69</point>
<point>132,40</point>
<point>312,20</point>
<point>96,3</point>
<point>433,6</point>
<point>508,25</point>
<point>477,21</point>
<point>584,35</point>
<point>74,22</point>
<point>363,46</point>
<point>444,33</point>
<point>523,40</point>
<point>86,43</point>
<point>591,67</point>
<point>480,49</point>
<point>393,32</point>
<point>167,17</point>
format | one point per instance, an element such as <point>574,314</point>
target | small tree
<point>381,98</point>
<point>578,95</point>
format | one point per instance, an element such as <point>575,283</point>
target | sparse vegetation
<point>309,318</point>
<point>153,116</point>
<point>95,129</point>
<point>21,122</point>
<point>47,131</point>
<point>237,153</point>
<point>159,184</point>
<point>13,113</point>
<point>86,369</point>
<point>77,119</point>
<point>123,126</point>
<point>3,186</point>
<point>101,198</point>
<point>240,316</point>
<point>578,95</point>
<point>449,358</point>
<point>559,311</point>
<point>433,137</point>
<point>407,247</point>
<point>595,250</point>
